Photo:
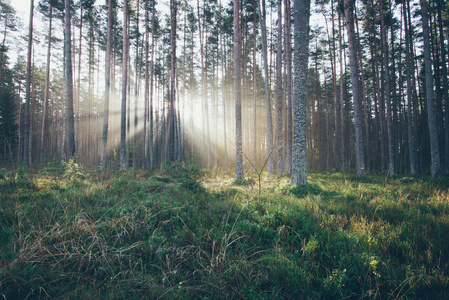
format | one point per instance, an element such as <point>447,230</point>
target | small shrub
<point>304,190</point>
<point>243,181</point>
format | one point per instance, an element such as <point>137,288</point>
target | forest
<point>156,83</point>
<point>224,149</point>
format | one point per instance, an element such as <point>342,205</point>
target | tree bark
<point>431,114</point>
<point>288,84</point>
<point>69,84</point>
<point>104,142</point>
<point>47,86</point>
<point>262,12</point>
<point>387,90</point>
<point>26,131</point>
<point>172,126</point>
<point>123,142</point>
<point>238,93</point>
<point>280,160</point>
<point>299,153</point>
<point>360,160</point>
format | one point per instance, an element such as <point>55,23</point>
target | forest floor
<point>67,232</point>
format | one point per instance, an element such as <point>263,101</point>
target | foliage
<point>8,126</point>
<point>136,234</point>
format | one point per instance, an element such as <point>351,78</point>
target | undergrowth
<point>73,233</point>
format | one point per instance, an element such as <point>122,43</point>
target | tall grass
<point>72,233</point>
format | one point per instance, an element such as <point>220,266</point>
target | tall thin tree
<point>360,160</point>
<point>301,36</point>
<point>172,124</point>
<point>280,160</point>
<point>104,141</point>
<point>69,83</point>
<point>238,93</point>
<point>263,27</point>
<point>383,30</point>
<point>431,114</point>
<point>26,131</point>
<point>47,83</point>
<point>123,141</point>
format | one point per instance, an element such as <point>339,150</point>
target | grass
<point>71,233</point>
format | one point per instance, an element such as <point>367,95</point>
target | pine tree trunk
<point>387,91</point>
<point>288,84</point>
<point>280,160</point>
<point>46,88</point>
<point>360,160</point>
<point>26,131</point>
<point>123,142</point>
<point>263,26</point>
<point>238,92</point>
<point>172,125</point>
<point>69,84</point>
<point>147,88</point>
<point>150,114</point>
<point>431,114</point>
<point>342,102</point>
<point>104,141</point>
<point>410,131</point>
<point>445,89</point>
<point>299,153</point>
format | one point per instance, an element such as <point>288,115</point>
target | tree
<point>8,14</point>
<point>123,141</point>
<point>104,141</point>
<point>69,83</point>
<point>360,160</point>
<point>280,160</point>
<point>8,124</point>
<point>288,84</point>
<point>387,89</point>
<point>431,114</point>
<point>299,152</point>
<point>26,132</point>
<point>172,124</point>
<point>238,93</point>
<point>263,26</point>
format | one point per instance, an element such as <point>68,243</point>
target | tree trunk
<point>280,161</point>
<point>147,87</point>
<point>69,84</point>
<point>104,141</point>
<point>262,13</point>
<point>172,126</point>
<point>150,114</point>
<point>360,161</point>
<point>387,90</point>
<point>342,102</point>
<point>431,114</point>
<point>288,84</point>
<point>47,86</point>
<point>445,90</point>
<point>123,142</point>
<point>238,93</point>
<point>410,131</point>
<point>136,91</point>
<point>299,159</point>
<point>26,131</point>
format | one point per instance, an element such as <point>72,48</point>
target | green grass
<point>71,233</point>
